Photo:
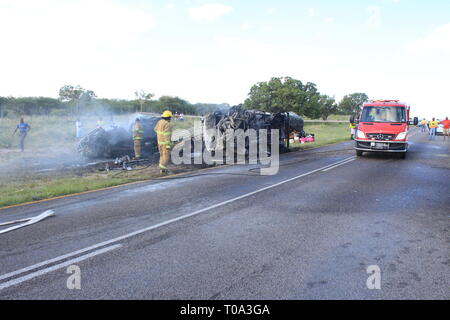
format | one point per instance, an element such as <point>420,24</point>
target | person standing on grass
<point>23,128</point>
<point>433,126</point>
<point>79,128</point>
<point>446,124</point>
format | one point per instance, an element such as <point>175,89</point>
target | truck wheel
<point>403,155</point>
<point>359,153</point>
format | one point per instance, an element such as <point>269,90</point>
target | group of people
<point>432,126</point>
<point>162,129</point>
<point>163,134</point>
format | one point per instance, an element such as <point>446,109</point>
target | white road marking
<point>30,221</point>
<point>56,267</point>
<point>338,165</point>
<point>156,226</point>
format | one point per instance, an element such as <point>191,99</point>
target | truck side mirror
<point>414,122</point>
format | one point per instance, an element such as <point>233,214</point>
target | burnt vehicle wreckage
<point>217,126</point>
<point>117,142</point>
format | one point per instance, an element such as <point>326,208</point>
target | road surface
<point>310,232</point>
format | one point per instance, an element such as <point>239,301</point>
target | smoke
<point>51,144</point>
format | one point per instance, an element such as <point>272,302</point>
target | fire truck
<point>383,126</point>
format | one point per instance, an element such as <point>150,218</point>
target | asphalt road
<point>310,232</point>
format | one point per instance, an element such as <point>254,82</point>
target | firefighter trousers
<point>164,156</point>
<point>137,148</point>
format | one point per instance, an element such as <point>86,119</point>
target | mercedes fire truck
<point>383,126</point>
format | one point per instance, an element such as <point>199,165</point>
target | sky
<point>214,51</point>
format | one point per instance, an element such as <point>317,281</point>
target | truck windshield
<point>383,114</point>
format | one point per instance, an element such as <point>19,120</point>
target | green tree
<point>174,104</point>
<point>45,105</point>
<point>69,93</point>
<point>118,106</point>
<point>32,105</point>
<point>3,102</point>
<point>76,96</point>
<point>205,108</point>
<point>352,103</point>
<point>142,97</point>
<point>326,106</point>
<point>283,94</point>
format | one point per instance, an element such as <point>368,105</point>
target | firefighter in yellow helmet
<point>138,134</point>
<point>164,134</point>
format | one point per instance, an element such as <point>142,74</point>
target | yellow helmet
<point>167,114</point>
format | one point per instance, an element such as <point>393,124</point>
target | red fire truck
<point>383,126</point>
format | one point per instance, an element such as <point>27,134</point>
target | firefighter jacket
<point>163,132</point>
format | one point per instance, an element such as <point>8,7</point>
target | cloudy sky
<point>215,51</point>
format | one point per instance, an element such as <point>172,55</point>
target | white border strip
<point>338,165</point>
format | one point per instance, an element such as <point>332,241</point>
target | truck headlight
<point>360,134</point>
<point>402,136</point>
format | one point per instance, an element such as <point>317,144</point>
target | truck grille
<point>381,136</point>
<point>392,146</point>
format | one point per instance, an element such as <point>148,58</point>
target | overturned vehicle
<point>238,120</point>
<point>117,141</point>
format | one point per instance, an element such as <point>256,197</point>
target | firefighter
<point>164,133</point>
<point>352,127</point>
<point>138,134</point>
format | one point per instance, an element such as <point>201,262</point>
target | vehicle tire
<point>359,153</point>
<point>402,155</point>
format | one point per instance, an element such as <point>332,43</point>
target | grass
<point>58,133</point>
<point>187,124</point>
<point>339,117</point>
<point>54,132</point>
<point>50,132</point>
<point>325,134</point>
<point>39,188</point>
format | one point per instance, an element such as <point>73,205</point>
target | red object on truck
<point>383,126</point>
